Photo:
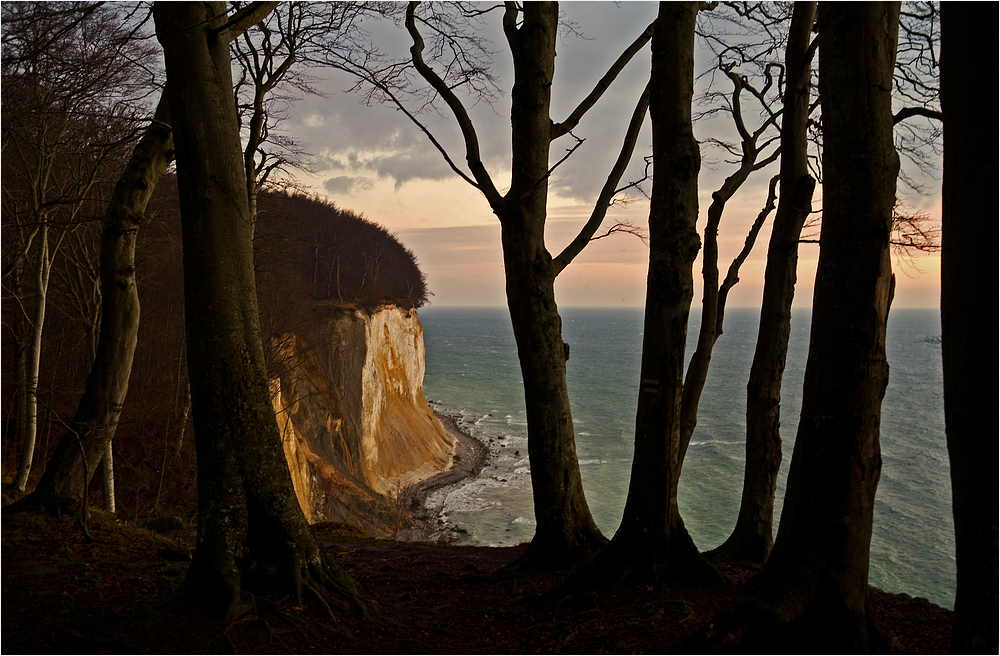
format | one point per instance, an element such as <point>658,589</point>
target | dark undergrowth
<point>65,594</point>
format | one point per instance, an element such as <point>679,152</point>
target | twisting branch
<point>635,184</point>
<point>913,231</point>
<point>483,182</point>
<point>610,187</point>
<point>627,228</point>
<point>733,274</point>
<point>559,129</point>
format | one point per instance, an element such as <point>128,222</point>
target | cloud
<point>378,140</point>
<point>415,162</point>
<point>343,185</point>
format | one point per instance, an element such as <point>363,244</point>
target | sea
<point>472,375</point>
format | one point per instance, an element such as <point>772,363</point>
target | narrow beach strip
<point>470,454</point>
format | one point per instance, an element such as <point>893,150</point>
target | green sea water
<point>472,374</point>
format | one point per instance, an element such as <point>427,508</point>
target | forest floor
<point>62,594</point>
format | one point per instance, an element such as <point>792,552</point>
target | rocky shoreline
<point>426,524</point>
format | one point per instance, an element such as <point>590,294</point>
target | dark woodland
<point>305,249</point>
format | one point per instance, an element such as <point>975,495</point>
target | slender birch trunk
<point>29,409</point>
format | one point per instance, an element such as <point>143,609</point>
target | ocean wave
<point>464,504</point>
<point>594,461</point>
<point>704,442</point>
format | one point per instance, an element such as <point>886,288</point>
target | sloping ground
<point>63,595</point>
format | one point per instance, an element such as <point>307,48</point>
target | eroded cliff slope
<point>355,424</point>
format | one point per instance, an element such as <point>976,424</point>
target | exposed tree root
<point>224,642</point>
<point>548,555</point>
<point>623,563</point>
<point>640,560</point>
<point>301,624</point>
<point>739,549</point>
<point>308,573</point>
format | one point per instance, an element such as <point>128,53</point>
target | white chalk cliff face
<point>355,425</point>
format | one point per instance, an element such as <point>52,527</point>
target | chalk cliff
<point>355,424</point>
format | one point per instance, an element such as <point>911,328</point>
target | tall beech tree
<point>752,537</point>
<point>969,387</point>
<point>815,582</point>
<point>565,531</point>
<point>652,543</point>
<point>251,530</point>
<point>757,151</point>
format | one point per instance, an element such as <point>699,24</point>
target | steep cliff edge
<point>355,425</point>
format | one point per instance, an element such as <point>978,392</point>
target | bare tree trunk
<point>714,297</point>
<point>753,536</point>
<point>96,419</point>
<point>565,530</point>
<point>29,394</point>
<point>967,277</point>
<point>340,295</point>
<point>251,530</point>
<point>815,582</point>
<point>21,349</point>
<point>652,543</point>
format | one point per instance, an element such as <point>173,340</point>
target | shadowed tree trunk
<point>753,535</point>
<point>86,442</point>
<point>968,276</point>
<point>564,523</point>
<point>251,530</point>
<point>652,543</point>
<point>565,531</point>
<point>714,295</point>
<point>814,586</point>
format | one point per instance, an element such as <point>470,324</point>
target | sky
<point>372,160</point>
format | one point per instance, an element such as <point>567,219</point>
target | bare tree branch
<point>909,112</point>
<point>610,187</point>
<point>559,129</point>
<point>627,228</point>
<point>472,154</point>
<point>733,274</point>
